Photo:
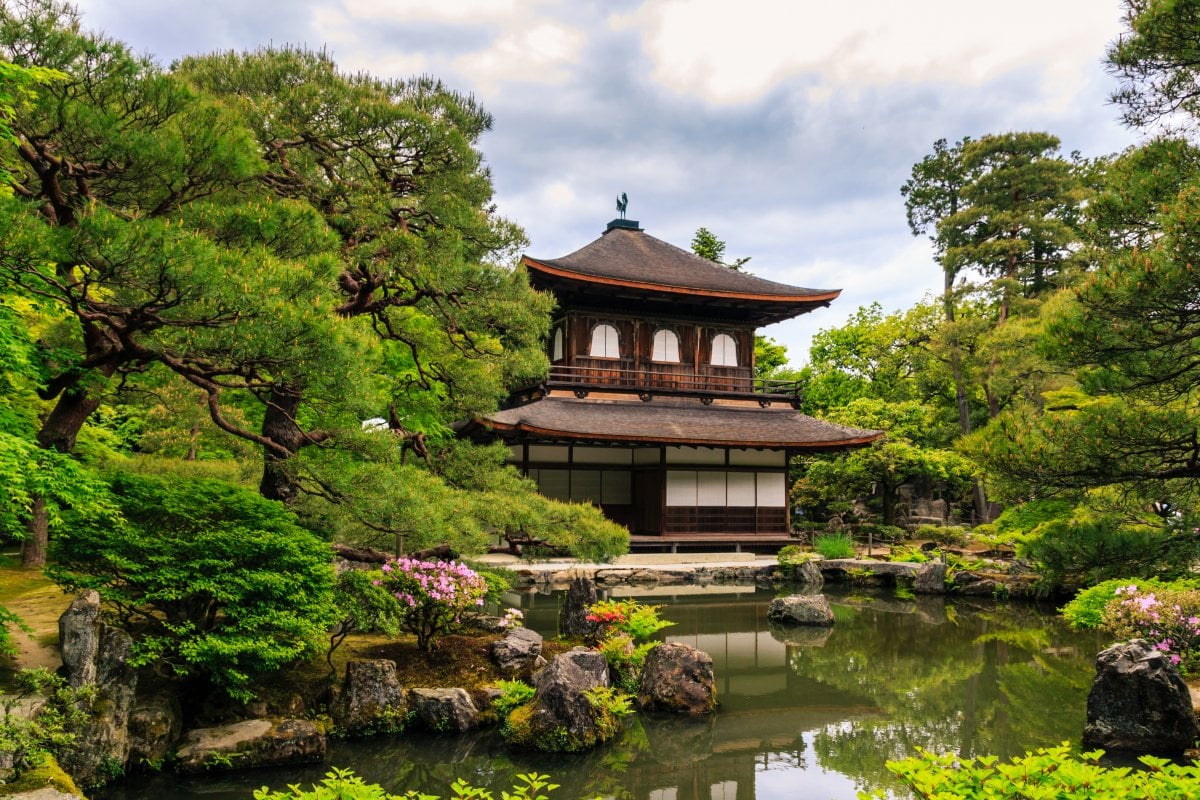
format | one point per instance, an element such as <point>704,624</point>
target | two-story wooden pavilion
<point>651,409</point>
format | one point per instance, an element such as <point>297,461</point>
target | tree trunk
<point>59,432</point>
<point>279,425</point>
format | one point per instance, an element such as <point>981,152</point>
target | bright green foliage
<point>834,545</point>
<point>1088,551</point>
<point>1026,517</point>
<point>624,632</point>
<point>512,694</point>
<point>362,605</point>
<point>17,87</point>
<point>1051,773</point>
<point>30,740</point>
<point>790,558</point>
<point>770,359</point>
<point>887,464</point>
<point>210,579</point>
<point>1085,611</point>
<point>706,245</point>
<point>9,619</point>
<point>343,784</point>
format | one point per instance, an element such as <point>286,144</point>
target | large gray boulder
<point>371,699</point>
<point>1139,702</point>
<point>97,655</point>
<point>931,578</point>
<point>251,743</point>
<point>444,710</point>
<point>561,718</point>
<point>572,617</point>
<point>520,651</point>
<point>155,724</point>
<point>678,678</point>
<point>801,609</point>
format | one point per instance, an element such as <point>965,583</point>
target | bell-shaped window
<point>556,346</point>
<point>666,346</point>
<point>724,351</point>
<point>605,342</point>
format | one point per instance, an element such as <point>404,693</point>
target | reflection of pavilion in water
<point>766,707</point>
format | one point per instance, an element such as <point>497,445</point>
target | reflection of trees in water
<point>989,683</point>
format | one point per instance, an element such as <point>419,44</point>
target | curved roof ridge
<point>634,257</point>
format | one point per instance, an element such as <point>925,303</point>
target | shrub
<point>362,605</point>
<point>209,578</point>
<point>1087,607</point>
<point>1047,773</point>
<point>625,628</point>
<point>1168,618</point>
<point>434,596</point>
<point>1026,517</point>
<point>944,535</point>
<point>1089,552</point>
<point>343,784</point>
<point>512,695</point>
<point>834,545</point>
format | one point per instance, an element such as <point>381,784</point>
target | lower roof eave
<point>558,435</point>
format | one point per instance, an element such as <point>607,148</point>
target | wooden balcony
<point>704,381</point>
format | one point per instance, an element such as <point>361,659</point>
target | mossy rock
<point>47,774</point>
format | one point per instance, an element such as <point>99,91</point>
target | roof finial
<point>622,204</point>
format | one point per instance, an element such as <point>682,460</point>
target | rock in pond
<point>444,710</point>
<point>1139,702</point>
<point>931,578</point>
<point>250,743</point>
<point>97,655</point>
<point>678,678</point>
<point>801,609</point>
<point>519,651</point>
<point>572,619</point>
<point>371,699</point>
<point>560,717</point>
<point>154,727</point>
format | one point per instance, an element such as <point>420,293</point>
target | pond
<point>804,712</point>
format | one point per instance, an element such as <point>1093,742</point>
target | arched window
<point>605,342</point>
<point>724,351</point>
<point>666,346</point>
<point>556,348</point>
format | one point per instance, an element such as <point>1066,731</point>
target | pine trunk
<point>279,425</point>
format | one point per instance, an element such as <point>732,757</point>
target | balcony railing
<point>706,381</point>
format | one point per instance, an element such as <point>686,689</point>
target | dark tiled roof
<point>634,257</point>
<point>674,421</point>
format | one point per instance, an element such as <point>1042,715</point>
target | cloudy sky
<point>784,126</point>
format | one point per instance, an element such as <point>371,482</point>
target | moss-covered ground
<point>39,603</point>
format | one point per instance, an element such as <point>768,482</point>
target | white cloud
<point>475,12</point>
<point>733,53</point>
<point>540,53</point>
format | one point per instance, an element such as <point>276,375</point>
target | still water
<point>804,712</point>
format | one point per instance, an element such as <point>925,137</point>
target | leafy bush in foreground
<point>1051,773</point>
<point>1086,610</point>
<point>343,784</point>
<point>210,579</point>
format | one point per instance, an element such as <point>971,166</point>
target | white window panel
<point>585,485</point>
<point>548,454</point>
<point>616,488</point>
<point>556,352</point>
<point>710,488</point>
<point>772,490</point>
<point>757,458</point>
<point>741,490</point>
<point>666,346</point>
<point>602,455</point>
<point>724,351</point>
<point>681,488</point>
<point>606,343</point>
<point>695,455</point>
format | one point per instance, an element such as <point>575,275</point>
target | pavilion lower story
<point>679,473</point>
